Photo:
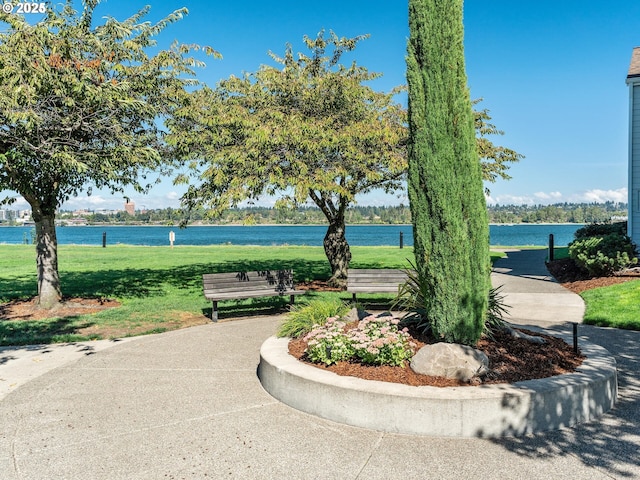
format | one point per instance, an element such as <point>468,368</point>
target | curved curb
<point>483,411</point>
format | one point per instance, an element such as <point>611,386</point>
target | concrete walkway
<point>187,404</point>
<point>531,292</point>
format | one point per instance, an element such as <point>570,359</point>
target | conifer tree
<point>451,234</point>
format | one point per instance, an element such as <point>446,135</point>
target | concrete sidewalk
<point>533,296</point>
<point>188,404</point>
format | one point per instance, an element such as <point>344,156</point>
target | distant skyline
<point>552,74</point>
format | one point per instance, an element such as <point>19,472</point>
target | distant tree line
<point>389,215</point>
<point>557,213</point>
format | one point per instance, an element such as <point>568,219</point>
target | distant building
<point>105,211</point>
<point>7,215</point>
<point>633,81</point>
<point>130,208</point>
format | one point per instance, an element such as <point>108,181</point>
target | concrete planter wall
<point>482,411</point>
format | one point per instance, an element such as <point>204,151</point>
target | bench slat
<point>375,288</point>
<point>240,285</point>
<point>388,280</point>
<point>229,292</point>
<point>375,280</point>
<point>219,296</point>
<point>373,271</point>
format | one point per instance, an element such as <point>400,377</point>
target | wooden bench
<point>375,280</point>
<point>240,285</point>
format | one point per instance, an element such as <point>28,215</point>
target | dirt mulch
<point>567,273</point>
<point>317,286</point>
<point>25,310</point>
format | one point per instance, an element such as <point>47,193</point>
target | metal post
<point>551,247</point>
<point>401,240</point>
<point>104,239</point>
<point>575,337</point>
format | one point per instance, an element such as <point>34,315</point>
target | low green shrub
<point>304,317</point>
<point>603,255</point>
<point>601,229</point>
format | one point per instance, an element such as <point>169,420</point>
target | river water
<point>367,235</point>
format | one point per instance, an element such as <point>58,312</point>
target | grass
<point>614,306</point>
<point>560,252</point>
<point>160,288</point>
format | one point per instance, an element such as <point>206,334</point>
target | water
<point>372,235</point>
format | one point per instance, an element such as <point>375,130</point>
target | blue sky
<point>552,73</point>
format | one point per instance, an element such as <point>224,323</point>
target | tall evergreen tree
<point>451,234</point>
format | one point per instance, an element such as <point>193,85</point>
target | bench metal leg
<point>354,298</point>
<point>292,299</point>
<point>214,312</point>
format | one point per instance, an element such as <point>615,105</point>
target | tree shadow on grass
<point>610,442</point>
<point>141,283</point>
<point>145,283</point>
<point>42,331</point>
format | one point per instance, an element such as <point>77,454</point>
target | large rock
<point>450,360</point>
<point>355,315</point>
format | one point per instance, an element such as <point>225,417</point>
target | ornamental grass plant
<point>304,317</point>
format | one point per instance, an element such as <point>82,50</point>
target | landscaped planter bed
<point>467,411</point>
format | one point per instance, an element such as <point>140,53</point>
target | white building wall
<point>634,164</point>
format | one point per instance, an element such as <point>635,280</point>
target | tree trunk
<point>49,293</point>
<point>337,250</point>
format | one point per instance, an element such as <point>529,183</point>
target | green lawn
<point>615,306</point>
<point>560,253</point>
<point>160,288</point>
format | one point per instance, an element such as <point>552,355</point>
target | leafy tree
<point>79,108</point>
<point>451,238</point>
<point>493,158</point>
<point>309,130</point>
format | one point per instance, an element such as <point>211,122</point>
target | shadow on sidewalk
<point>610,442</point>
<point>524,263</point>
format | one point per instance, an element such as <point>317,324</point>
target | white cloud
<point>512,200</point>
<point>172,196</point>
<point>545,198</point>
<point>600,196</point>
<point>551,196</point>
<point>94,202</point>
